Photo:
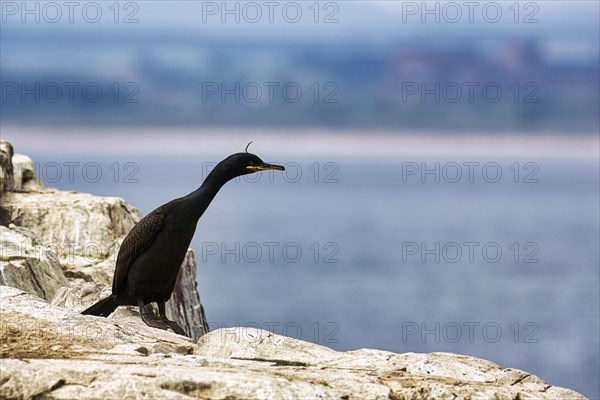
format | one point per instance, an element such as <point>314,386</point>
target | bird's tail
<point>102,308</point>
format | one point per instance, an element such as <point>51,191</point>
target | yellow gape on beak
<point>264,167</point>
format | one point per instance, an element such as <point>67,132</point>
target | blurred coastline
<point>355,144</point>
<point>460,86</point>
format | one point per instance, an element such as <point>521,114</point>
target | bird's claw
<point>154,322</point>
<point>163,323</point>
<point>176,328</point>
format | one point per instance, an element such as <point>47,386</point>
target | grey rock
<point>56,353</point>
<point>244,343</point>
<point>380,374</point>
<point>28,266</point>
<point>184,305</point>
<point>26,319</point>
<point>72,224</point>
<point>23,174</point>
<point>6,167</point>
<point>80,296</point>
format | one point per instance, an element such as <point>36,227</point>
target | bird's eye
<point>250,162</point>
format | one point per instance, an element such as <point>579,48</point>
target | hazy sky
<point>333,20</point>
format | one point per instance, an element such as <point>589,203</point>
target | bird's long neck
<point>201,198</point>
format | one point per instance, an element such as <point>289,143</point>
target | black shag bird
<point>151,254</point>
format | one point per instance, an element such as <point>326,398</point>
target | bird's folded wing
<point>139,239</point>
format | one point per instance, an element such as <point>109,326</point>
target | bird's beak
<point>264,167</point>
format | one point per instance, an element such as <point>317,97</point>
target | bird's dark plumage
<point>152,253</point>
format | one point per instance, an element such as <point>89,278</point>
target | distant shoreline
<point>303,142</point>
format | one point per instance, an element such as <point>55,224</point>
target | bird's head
<point>246,163</point>
<point>241,164</point>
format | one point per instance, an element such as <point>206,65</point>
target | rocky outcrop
<point>184,305</point>
<point>26,265</point>
<point>56,243</point>
<point>57,256</point>
<point>80,228</point>
<point>56,353</point>
<point>24,177</point>
<point>6,168</point>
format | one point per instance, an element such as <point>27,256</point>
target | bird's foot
<point>176,328</point>
<point>162,323</point>
<point>154,322</point>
